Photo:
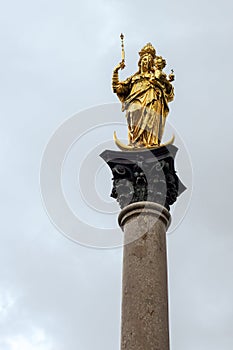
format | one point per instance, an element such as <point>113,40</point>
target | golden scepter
<point>122,51</point>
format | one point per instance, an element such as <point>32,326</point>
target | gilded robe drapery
<point>145,99</point>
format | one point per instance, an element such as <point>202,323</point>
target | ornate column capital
<point>144,175</point>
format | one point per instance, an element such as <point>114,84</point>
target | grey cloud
<point>56,59</point>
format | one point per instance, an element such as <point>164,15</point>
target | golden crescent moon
<point>124,147</point>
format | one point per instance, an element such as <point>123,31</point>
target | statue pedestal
<point>144,175</point>
<point>145,184</point>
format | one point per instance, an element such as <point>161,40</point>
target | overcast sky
<point>56,60</point>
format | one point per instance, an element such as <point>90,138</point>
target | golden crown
<point>148,49</point>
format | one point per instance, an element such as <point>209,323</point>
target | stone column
<point>145,185</point>
<point>144,292</point>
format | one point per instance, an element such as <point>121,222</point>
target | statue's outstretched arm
<point>115,77</point>
<point>121,88</point>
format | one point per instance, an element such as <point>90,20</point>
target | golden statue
<point>145,97</point>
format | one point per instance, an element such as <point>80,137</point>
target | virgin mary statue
<point>145,97</point>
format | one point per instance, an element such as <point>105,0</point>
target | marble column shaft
<point>144,324</point>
